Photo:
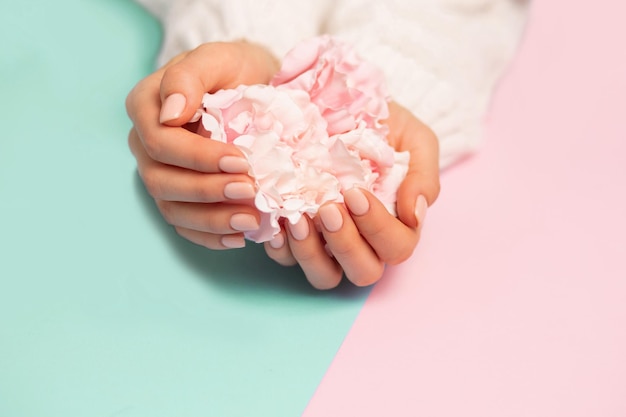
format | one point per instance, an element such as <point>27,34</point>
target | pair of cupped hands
<point>202,186</point>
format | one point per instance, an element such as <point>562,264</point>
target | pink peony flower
<point>347,89</point>
<point>311,137</point>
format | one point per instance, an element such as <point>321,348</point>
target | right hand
<point>200,186</point>
<point>357,239</point>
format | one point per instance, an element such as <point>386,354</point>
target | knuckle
<point>230,51</point>
<point>184,233</point>
<point>433,189</point>
<point>176,59</point>
<point>174,72</point>
<point>399,256</point>
<point>401,250</point>
<point>128,103</point>
<point>166,210</point>
<point>429,186</point>
<point>279,256</point>
<point>152,183</point>
<point>210,48</point>
<point>330,282</point>
<point>134,97</point>
<point>307,253</point>
<point>132,137</point>
<point>368,277</point>
<point>153,147</point>
<point>343,249</point>
<point>373,229</point>
<point>304,254</point>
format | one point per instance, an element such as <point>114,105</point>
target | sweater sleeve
<point>276,24</point>
<point>442,58</point>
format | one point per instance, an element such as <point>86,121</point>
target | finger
<point>211,218</point>
<point>174,145</point>
<point>391,239</point>
<point>307,247</point>
<point>208,68</point>
<point>144,97</point>
<point>359,262</point>
<point>213,241</point>
<point>278,250</point>
<point>171,183</point>
<point>421,186</point>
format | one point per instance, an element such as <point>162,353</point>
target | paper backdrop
<point>104,310</point>
<point>514,303</point>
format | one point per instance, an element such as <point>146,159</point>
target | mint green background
<point>104,310</point>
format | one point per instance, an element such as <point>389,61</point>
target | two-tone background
<point>514,304</point>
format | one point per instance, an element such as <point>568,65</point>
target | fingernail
<point>239,190</point>
<point>234,165</point>
<point>300,230</point>
<point>277,241</point>
<point>233,241</point>
<point>173,107</point>
<point>331,217</point>
<point>420,210</point>
<point>244,222</point>
<point>356,201</point>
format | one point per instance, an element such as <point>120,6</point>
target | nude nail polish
<point>239,191</point>
<point>331,217</point>
<point>234,164</point>
<point>244,222</point>
<point>300,230</point>
<point>421,205</point>
<point>233,241</point>
<point>277,241</point>
<point>173,107</point>
<point>357,202</point>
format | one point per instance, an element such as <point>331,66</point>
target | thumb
<point>421,186</point>
<point>418,191</point>
<point>208,68</point>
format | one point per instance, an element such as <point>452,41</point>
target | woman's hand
<point>200,186</point>
<point>360,237</point>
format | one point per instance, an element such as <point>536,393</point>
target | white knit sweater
<point>442,58</point>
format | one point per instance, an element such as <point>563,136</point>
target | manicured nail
<point>173,107</point>
<point>244,222</point>
<point>277,241</point>
<point>233,241</point>
<point>234,164</point>
<point>331,217</point>
<point>356,201</point>
<point>420,210</point>
<point>300,230</point>
<point>239,191</point>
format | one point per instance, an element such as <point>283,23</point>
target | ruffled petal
<point>313,133</point>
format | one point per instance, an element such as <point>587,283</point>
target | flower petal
<point>313,133</point>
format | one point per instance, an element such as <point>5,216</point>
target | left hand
<point>359,237</point>
<point>200,186</point>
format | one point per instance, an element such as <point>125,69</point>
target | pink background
<point>515,302</point>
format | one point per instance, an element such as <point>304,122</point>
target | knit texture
<point>442,58</point>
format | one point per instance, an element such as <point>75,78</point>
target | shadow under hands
<point>246,270</point>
